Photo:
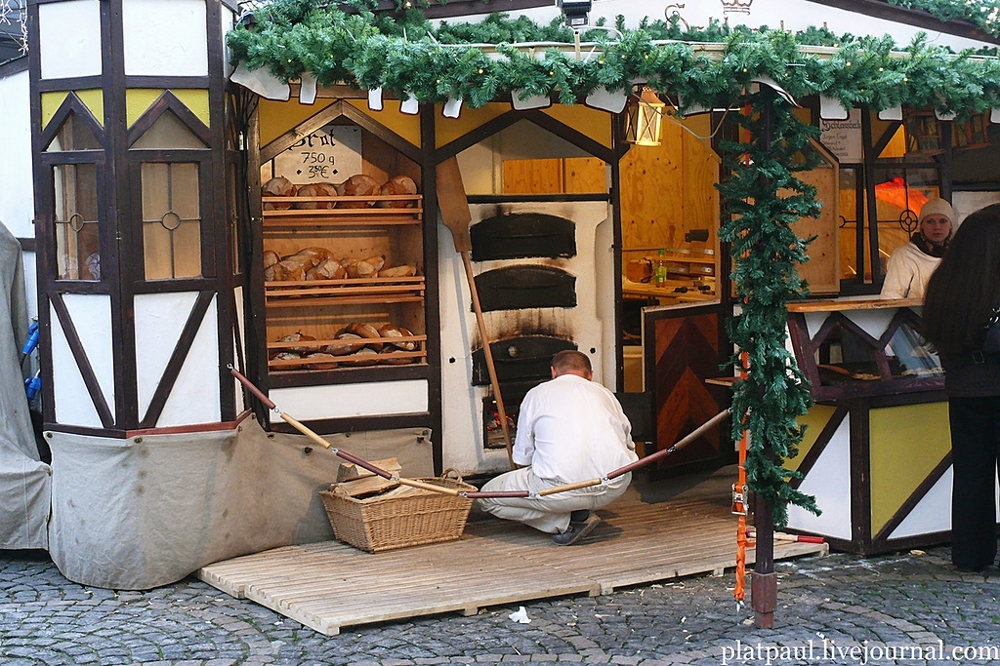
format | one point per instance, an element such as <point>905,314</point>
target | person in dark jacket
<point>958,306</point>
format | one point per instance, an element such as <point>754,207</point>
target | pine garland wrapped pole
<point>765,199</point>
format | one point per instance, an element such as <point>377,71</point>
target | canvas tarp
<point>24,478</point>
<point>146,511</point>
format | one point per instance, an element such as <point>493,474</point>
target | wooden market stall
<point>162,263</point>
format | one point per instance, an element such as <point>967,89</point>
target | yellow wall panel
<point>197,101</point>
<point>138,101</point>
<point>93,100</point>
<point>449,129</point>
<point>403,124</point>
<point>51,101</point>
<point>276,118</point>
<point>815,419</point>
<point>906,443</point>
<point>594,123</point>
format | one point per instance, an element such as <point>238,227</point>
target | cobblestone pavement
<point>907,608</point>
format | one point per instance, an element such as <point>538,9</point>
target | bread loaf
<point>287,270</point>
<point>271,258</point>
<point>314,255</point>
<point>360,269</point>
<point>279,186</point>
<point>316,190</point>
<point>350,343</point>
<point>298,336</point>
<point>329,269</point>
<point>389,331</point>
<point>366,331</point>
<point>329,361</point>
<point>398,271</point>
<point>366,356</point>
<point>398,185</point>
<point>391,360</point>
<point>360,185</point>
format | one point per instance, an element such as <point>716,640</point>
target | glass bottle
<point>661,270</point>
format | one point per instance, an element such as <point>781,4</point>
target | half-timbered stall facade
<point>271,189</point>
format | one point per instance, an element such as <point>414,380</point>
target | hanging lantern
<point>643,116</point>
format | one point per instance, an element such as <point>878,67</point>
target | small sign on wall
<point>331,154</point>
<point>843,137</point>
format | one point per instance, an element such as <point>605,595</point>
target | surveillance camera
<point>575,11</point>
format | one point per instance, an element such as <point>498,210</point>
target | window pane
<point>77,238</point>
<point>899,196</point>
<point>171,220</point>
<point>168,132</point>
<point>73,135</point>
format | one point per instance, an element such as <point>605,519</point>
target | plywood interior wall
<point>669,190</point>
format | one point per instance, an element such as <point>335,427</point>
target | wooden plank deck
<point>329,585</point>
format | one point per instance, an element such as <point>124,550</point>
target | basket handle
<point>451,471</point>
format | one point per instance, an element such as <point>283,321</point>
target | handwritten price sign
<point>331,154</point>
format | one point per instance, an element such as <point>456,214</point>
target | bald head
<point>572,362</point>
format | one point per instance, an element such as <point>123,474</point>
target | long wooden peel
<point>454,207</point>
<point>327,445</point>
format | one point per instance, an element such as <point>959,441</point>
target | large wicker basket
<point>403,517</point>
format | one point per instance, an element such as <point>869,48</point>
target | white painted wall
<point>165,37</point>
<point>307,403</point>
<point>91,314</point>
<point>829,482</point>
<point>70,38</point>
<point>159,321</point>
<point>17,203</point>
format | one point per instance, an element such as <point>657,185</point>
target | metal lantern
<point>643,117</point>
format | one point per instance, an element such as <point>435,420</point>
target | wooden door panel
<point>689,347</point>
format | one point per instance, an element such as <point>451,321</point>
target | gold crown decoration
<point>736,6</point>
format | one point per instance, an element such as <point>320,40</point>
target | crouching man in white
<point>569,430</point>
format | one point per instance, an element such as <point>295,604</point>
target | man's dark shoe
<point>579,516</point>
<point>576,532</point>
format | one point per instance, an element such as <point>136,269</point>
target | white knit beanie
<point>937,207</point>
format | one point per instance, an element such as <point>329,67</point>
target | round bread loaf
<point>360,185</point>
<point>389,331</point>
<point>328,364</point>
<point>366,331</point>
<point>299,336</point>
<point>316,190</point>
<point>279,186</point>
<point>398,271</point>
<point>398,185</point>
<point>271,258</point>
<point>330,269</point>
<point>361,357</point>
<point>350,343</point>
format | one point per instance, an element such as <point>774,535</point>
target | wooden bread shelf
<point>311,293</point>
<point>321,308</point>
<point>401,209</point>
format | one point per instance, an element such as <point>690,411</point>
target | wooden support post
<point>764,580</point>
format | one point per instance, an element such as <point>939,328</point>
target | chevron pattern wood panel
<point>687,353</point>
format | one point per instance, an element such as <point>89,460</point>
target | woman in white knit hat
<point>910,265</point>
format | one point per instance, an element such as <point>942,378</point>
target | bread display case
<point>343,282</point>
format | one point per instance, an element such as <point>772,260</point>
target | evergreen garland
<point>406,55</point>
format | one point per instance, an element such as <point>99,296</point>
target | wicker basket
<point>403,517</point>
